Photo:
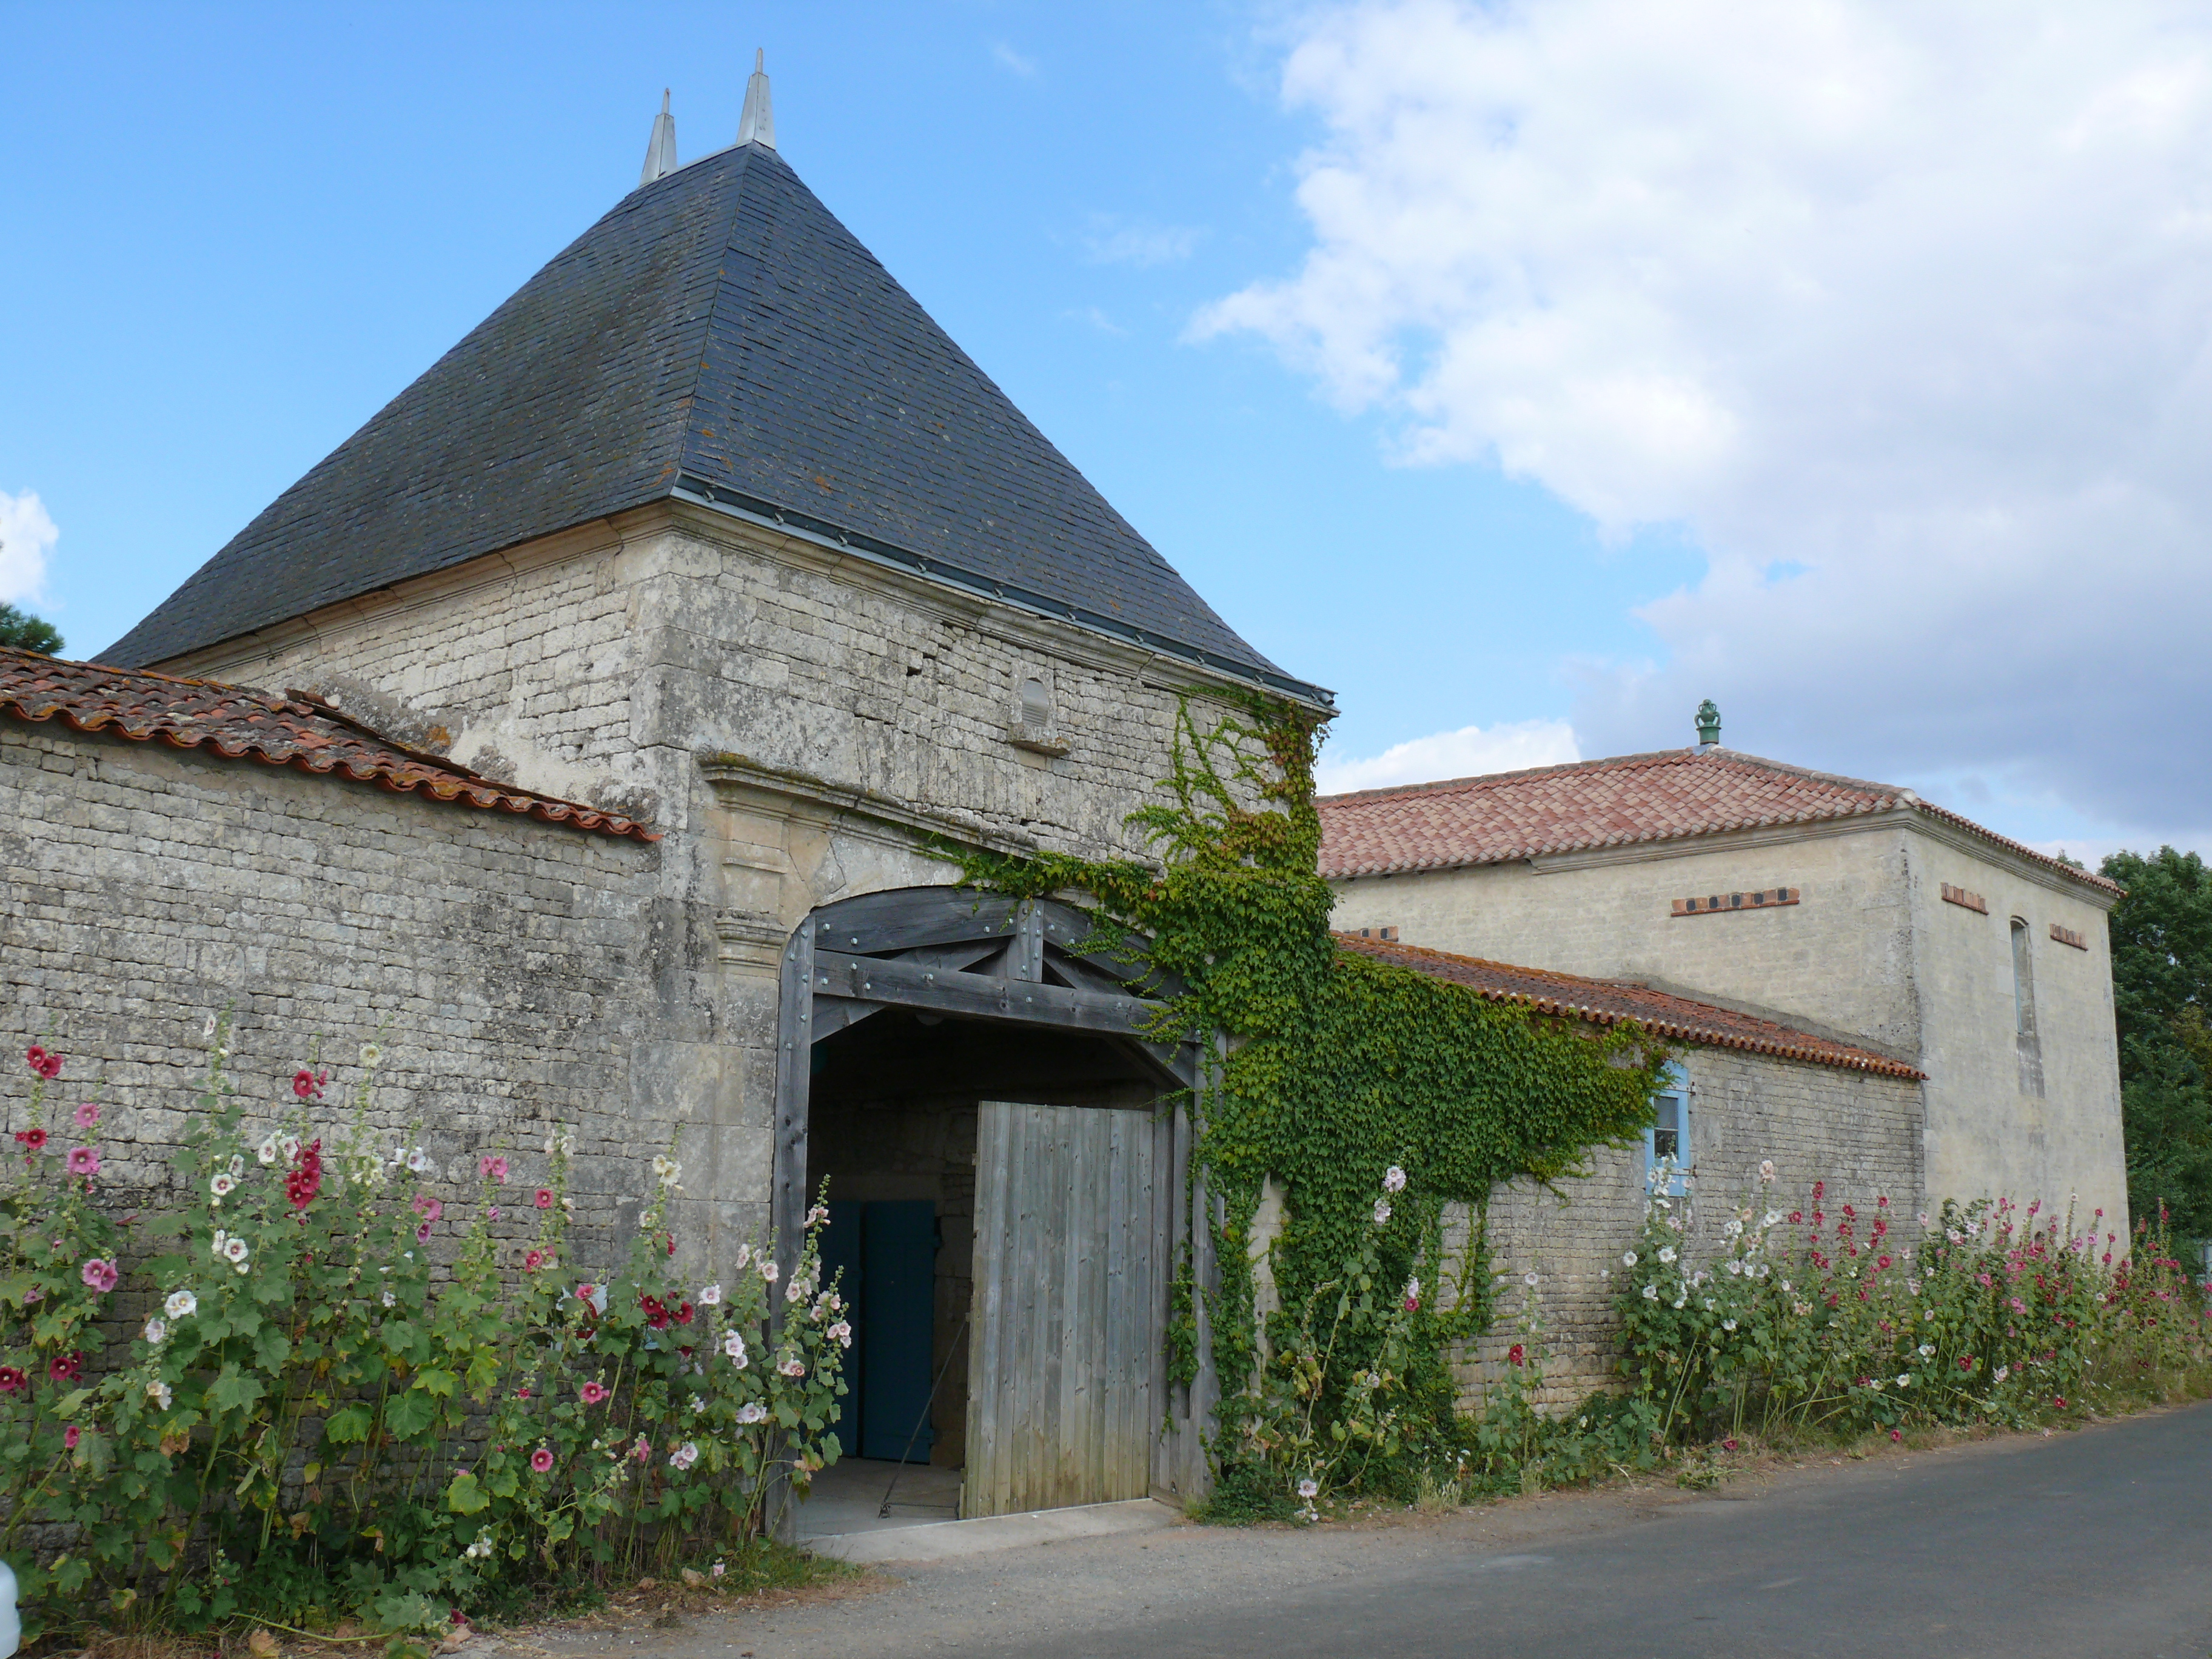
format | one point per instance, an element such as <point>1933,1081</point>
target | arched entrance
<point>1007,1186</point>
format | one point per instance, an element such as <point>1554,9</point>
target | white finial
<point>661,148</point>
<point>756,125</point>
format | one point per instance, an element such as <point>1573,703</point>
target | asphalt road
<point>2083,1544</point>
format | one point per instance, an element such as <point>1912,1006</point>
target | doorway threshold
<point>842,1517</point>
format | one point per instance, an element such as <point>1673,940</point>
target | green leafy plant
<point>353,1399</point>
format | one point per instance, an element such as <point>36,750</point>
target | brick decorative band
<point>1964,900</point>
<point>1766,898</point>
<point>2068,936</point>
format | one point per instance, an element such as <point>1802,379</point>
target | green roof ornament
<point>1709,725</point>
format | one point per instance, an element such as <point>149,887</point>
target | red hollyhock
<point>64,1367</point>
<point>1517,1354</point>
<point>306,1179</point>
<point>44,1061</point>
<point>14,1382</point>
<point>33,1138</point>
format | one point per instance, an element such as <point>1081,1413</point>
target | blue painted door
<point>899,1279</point>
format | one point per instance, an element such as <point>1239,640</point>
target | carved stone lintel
<point>751,938</point>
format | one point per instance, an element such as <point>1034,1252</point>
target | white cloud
<point>1012,61</point>
<point>1901,310</point>
<point>1112,239</point>
<point>1098,319</point>
<point>1506,747</point>
<point>26,536</point>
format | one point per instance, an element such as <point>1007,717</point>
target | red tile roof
<point>238,723</point>
<point>1609,1001</point>
<point>1507,816</point>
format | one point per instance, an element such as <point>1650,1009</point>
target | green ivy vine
<point>1334,1066</point>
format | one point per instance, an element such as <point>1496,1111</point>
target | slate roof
<point>294,730</point>
<point>1504,817</point>
<point>719,335</point>
<point>1609,1001</point>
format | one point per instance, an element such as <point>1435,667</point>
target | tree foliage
<point>2161,991</point>
<point>26,632</point>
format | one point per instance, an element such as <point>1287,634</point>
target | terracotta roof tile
<point>242,724</point>
<point>1507,816</point>
<point>1609,1001</point>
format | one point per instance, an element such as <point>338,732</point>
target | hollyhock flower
<point>1882,1263</point>
<point>710,1296</point>
<point>734,1346</point>
<point>224,1184</point>
<point>841,1335</point>
<point>1393,1180</point>
<point>234,1250</point>
<point>1966,1362</point>
<point>492,1169</point>
<point>1529,1279</point>
<point>45,1063</point>
<point>1628,1258</point>
<point>1766,1170</point>
<point>181,1304</point>
<point>1667,1253</point>
<point>769,1271</point>
<point>69,1437</point>
<point>418,1161</point>
<point>13,1381</point>
<point>752,1412</point>
<point>1896,1435</point>
<point>87,1116</point>
<point>794,1366</point>
<point>543,1198</point>
<point>1650,1292</point>
<point>1382,1211</point>
<point>817,1215</point>
<point>1516,1355</point>
<point>306,1179</point>
<point>99,1274</point>
<point>665,1169</point>
<point>156,1331</point>
<point>268,1151</point>
<point>685,1456</point>
<point>423,1234</point>
<point>1728,1324</point>
<point>31,1140</point>
<point>642,1450</point>
<point>541,1460</point>
<point>717,1570</point>
<point>593,1393</point>
<point>64,1367</point>
<point>371,1054</point>
<point>1309,1489</point>
<point>2059,1400</point>
<point>2002,1372</point>
<point>159,1393</point>
<point>84,1161</point>
<point>744,1258</point>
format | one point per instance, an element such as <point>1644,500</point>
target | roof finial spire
<point>756,125</point>
<point>1709,726</point>
<point>661,148</point>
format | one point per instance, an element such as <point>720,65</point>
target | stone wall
<point>1860,1133</point>
<point>515,974</point>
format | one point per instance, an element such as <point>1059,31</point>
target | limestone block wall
<point>515,974</point>
<point>1860,1133</point>
<point>2048,1129</point>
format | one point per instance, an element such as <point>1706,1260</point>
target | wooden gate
<point>1067,1311</point>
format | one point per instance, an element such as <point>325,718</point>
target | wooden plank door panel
<point>1065,1310</point>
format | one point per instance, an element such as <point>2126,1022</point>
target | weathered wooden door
<point>1065,1323</point>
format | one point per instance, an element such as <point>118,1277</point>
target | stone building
<point>1852,910</point>
<point>689,617</point>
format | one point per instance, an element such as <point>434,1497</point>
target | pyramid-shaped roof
<point>719,335</point>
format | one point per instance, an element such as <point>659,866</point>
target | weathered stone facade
<point>515,974</point>
<point>1857,1131</point>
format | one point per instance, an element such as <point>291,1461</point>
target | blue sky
<point>1183,236</point>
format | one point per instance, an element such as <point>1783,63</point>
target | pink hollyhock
<point>1729,1444</point>
<point>1897,1434</point>
<point>544,1199</point>
<point>584,1292</point>
<point>492,1169</point>
<point>308,1084</point>
<point>593,1393</point>
<point>522,1393</point>
<point>87,1115</point>
<point>643,1450</point>
<point>533,1262</point>
<point>423,1234</point>
<point>541,1460</point>
<point>84,1161</point>
<point>493,1213</point>
<point>69,1437</point>
<point>100,1273</point>
<point>430,1209</point>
